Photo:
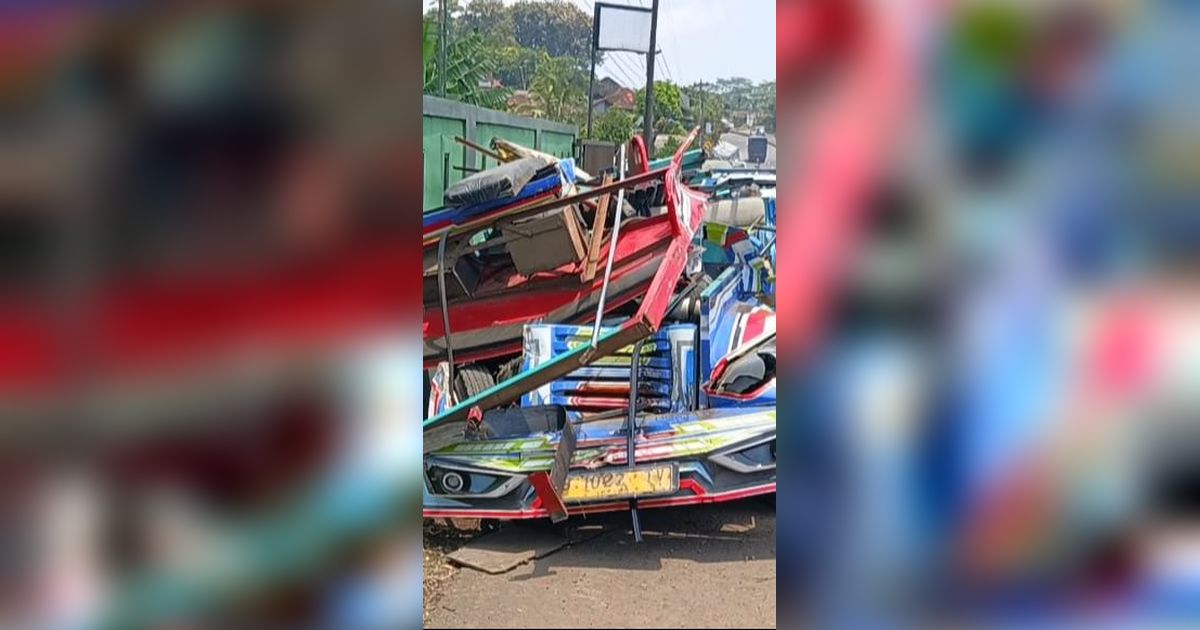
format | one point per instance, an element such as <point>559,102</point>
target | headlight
<point>457,481</point>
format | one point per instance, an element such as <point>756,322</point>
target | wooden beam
<point>597,240</point>
<point>488,153</point>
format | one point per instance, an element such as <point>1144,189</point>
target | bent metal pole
<point>612,248</point>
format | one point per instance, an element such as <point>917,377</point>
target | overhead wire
<point>634,77</point>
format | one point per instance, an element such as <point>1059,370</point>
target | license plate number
<point>622,483</point>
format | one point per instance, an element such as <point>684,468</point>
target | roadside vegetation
<point>532,58</point>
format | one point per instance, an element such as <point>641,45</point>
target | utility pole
<point>701,97</point>
<point>592,76</point>
<point>442,48</point>
<point>648,116</point>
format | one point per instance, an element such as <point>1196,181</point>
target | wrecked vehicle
<point>672,404</point>
<point>535,253</point>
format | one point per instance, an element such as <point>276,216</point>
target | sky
<point>701,40</point>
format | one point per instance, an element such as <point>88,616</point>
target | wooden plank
<point>491,154</point>
<point>597,240</point>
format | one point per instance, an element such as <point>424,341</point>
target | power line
<point>626,73</point>
<point>665,66</point>
<point>622,75</point>
<point>615,68</point>
<point>675,47</point>
<point>637,72</point>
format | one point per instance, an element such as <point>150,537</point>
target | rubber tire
<point>470,380</point>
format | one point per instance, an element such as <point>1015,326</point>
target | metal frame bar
<point>630,441</point>
<point>612,249</point>
<point>446,332</point>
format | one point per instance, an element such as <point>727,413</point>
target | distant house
<point>621,98</point>
<point>608,94</point>
<point>604,87</point>
<point>491,82</point>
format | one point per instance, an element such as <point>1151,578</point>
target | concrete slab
<point>506,549</point>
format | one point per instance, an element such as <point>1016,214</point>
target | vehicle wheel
<point>509,369</point>
<point>470,380</point>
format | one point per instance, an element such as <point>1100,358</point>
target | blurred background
<point>208,314</point>
<point>992,227</point>
<point>993,232</point>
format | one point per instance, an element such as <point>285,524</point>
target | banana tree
<point>469,65</point>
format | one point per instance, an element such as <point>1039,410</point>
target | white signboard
<point>623,28</point>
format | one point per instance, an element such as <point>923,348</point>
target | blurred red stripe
<point>144,326</point>
<point>837,154</point>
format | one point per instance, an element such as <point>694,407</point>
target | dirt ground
<point>698,567</point>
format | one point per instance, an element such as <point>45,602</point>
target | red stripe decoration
<point>619,506</point>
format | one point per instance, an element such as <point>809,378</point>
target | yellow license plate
<point>622,483</point>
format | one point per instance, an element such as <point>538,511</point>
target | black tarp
<point>502,181</point>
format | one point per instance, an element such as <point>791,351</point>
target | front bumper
<point>722,455</point>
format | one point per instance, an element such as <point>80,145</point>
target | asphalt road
<point>710,566</point>
<point>740,141</point>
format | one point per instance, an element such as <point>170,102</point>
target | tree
<point>558,89</point>
<point>762,97</point>
<point>766,105</point>
<point>735,92</point>
<point>668,105</point>
<point>713,107</point>
<point>669,147</point>
<point>468,66</point>
<point>490,18</point>
<point>614,126</point>
<point>514,35</point>
<point>733,87</point>
<point>742,95</point>
<point>516,65</point>
<point>561,29</point>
